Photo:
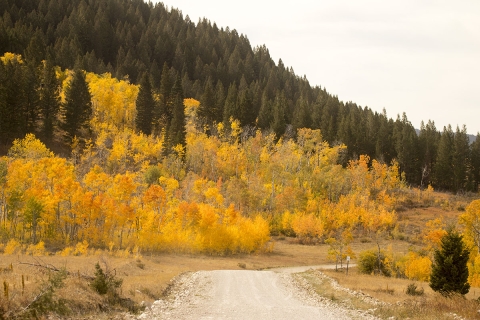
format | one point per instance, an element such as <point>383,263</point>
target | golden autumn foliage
<point>474,271</point>
<point>221,193</point>
<point>8,56</point>
<point>113,102</point>
<point>307,226</point>
<point>417,267</point>
<point>470,220</point>
<point>29,148</point>
<point>433,234</point>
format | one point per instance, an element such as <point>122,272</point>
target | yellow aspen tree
<point>124,192</point>
<point>471,221</point>
<point>307,227</point>
<point>417,267</point>
<point>155,199</point>
<point>433,233</point>
<point>113,102</point>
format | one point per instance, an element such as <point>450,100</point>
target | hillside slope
<point>220,68</point>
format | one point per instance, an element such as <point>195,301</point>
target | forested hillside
<point>139,41</point>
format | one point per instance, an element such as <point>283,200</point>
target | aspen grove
<point>222,192</point>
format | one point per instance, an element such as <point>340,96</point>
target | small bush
<point>368,263</point>
<point>140,264</point>
<point>106,283</point>
<point>36,250</point>
<point>413,291</point>
<point>81,249</point>
<point>12,247</point>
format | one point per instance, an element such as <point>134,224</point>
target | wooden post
<point>348,261</point>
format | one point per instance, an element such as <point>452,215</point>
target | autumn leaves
<point>224,192</point>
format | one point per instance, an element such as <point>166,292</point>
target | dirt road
<point>243,294</point>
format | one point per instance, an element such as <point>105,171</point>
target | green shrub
<point>152,175</point>
<point>412,290</point>
<point>105,283</point>
<point>368,263</point>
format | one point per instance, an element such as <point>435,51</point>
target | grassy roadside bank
<point>387,298</point>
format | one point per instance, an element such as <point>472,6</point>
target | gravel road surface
<point>243,294</point>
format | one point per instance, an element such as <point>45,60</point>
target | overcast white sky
<point>415,56</point>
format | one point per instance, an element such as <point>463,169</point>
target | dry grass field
<point>392,302</point>
<point>146,277</point>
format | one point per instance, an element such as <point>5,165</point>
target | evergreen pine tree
<point>219,101</point>
<point>35,51</point>
<point>145,106</point>
<point>318,107</point>
<point>265,114</point>
<point>49,100</point>
<point>449,270</point>
<point>12,100</point>
<point>3,102</point>
<point>461,159</point>
<point>31,108</point>
<point>443,165</point>
<point>245,113</point>
<point>383,143</point>
<point>206,111</point>
<point>475,162</point>
<point>329,118</point>
<point>428,144</point>
<point>176,132</point>
<point>406,141</point>
<point>77,107</point>
<point>279,124</point>
<point>230,108</point>
<point>165,88</point>
<point>301,115</point>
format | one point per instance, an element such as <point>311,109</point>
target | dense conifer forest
<point>177,58</point>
